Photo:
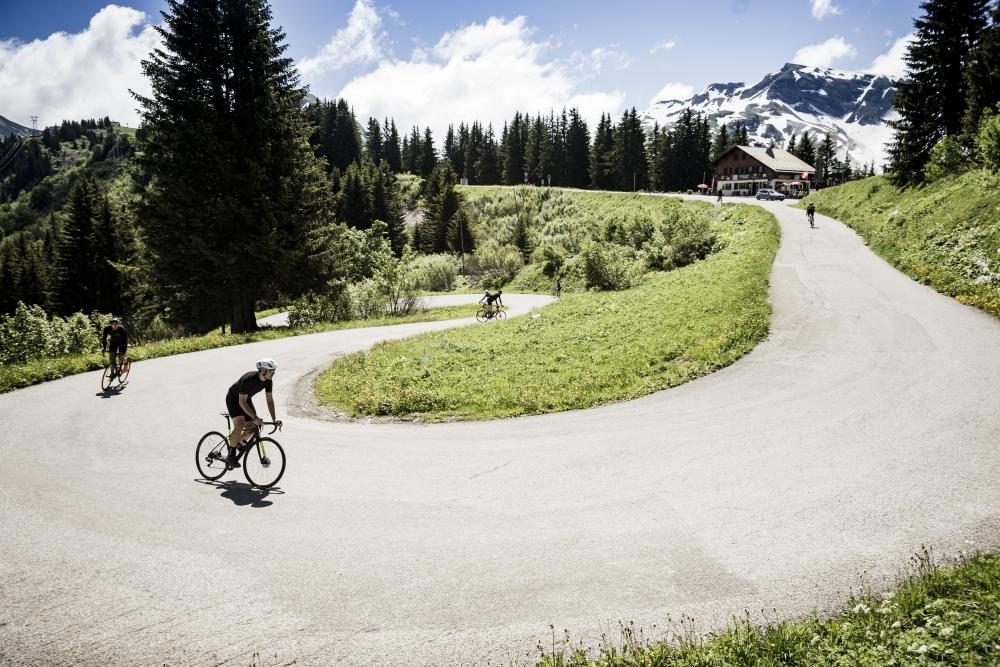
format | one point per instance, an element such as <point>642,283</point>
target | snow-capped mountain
<point>850,106</point>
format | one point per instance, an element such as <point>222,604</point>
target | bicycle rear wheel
<point>210,455</point>
<point>125,368</point>
<point>107,377</point>
<point>264,463</point>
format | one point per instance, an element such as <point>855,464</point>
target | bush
<point>29,333</point>
<point>609,266</point>
<point>368,300</point>
<point>948,157</point>
<point>987,141</point>
<point>498,263</point>
<point>434,273</point>
<point>313,308</point>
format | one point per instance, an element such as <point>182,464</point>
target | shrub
<point>367,300</point>
<point>29,333</point>
<point>987,141</point>
<point>948,157</point>
<point>609,266</point>
<point>313,308</point>
<point>498,263</point>
<point>434,273</point>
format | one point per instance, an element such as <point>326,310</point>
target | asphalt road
<point>864,427</point>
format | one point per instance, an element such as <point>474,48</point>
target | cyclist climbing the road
<point>241,408</point>
<point>811,214</point>
<point>118,336</point>
<point>493,300</point>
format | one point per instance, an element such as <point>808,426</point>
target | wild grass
<point>42,370</point>
<point>935,616</point>
<point>946,234</point>
<point>586,349</point>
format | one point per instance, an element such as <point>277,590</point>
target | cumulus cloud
<point>359,42</point>
<point>673,91</point>
<point>82,75</point>
<point>893,63</point>
<point>483,72</point>
<point>663,46</point>
<point>823,55</point>
<point>823,8</point>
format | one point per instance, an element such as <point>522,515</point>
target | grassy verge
<point>585,350</point>
<point>946,234</point>
<point>935,616</point>
<point>42,370</point>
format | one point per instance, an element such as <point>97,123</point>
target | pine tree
<point>602,155</point>
<point>931,101</point>
<point>514,137</point>
<point>631,169</point>
<point>983,76</point>
<point>374,145</point>
<point>235,203</point>
<point>721,142</point>
<point>826,156</point>
<point>428,156</point>
<point>391,149</point>
<point>577,151</point>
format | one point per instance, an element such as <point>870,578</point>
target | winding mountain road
<point>864,427</point>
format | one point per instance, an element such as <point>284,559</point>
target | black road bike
<point>490,313</point>
<point>262,458</point>
<point>115,371</point>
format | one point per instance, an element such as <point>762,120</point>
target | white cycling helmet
<point>267,365</point>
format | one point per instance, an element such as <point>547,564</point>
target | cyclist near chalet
<point>118,336</point>
<point>493,300</point>
<point>241,408</point>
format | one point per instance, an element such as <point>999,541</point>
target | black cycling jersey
<point>250,384</point>
<point>119,337</point>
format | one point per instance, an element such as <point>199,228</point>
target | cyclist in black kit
<point>119,340</point>
<point>241,408</point>
<point>493,300</point>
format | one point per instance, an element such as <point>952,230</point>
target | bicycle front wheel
<point>482,315</point>
<point>500,315</point>
<point>107,377</point>
<point>210,455</point>
<point>264,463</point>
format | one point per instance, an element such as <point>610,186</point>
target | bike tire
<point>125,368</point>
<point>260,472</point>
<point>107,378</point>
<point>500,315</point>
<point>210,455</point>
<point>482,315</point>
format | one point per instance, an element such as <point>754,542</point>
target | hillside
<point>9,127</point>
<point>850,106</point>
<point>946,234</point>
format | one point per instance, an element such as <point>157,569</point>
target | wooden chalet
<point>743,170</point>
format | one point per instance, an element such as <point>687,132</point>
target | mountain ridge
<point>851,106</point>
<point>9,127</point>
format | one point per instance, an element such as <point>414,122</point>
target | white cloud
<point>823,55</point>
<point>663,46</point>
<point>673,91</point>
<point>359,42</point>
<point>482,72</point>
<point>82,75</point>
<point>893,63</point>
<point>824,8</point>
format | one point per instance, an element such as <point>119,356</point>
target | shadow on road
<point>243,494</point>
<point>112,391</point>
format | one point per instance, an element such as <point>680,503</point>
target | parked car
<point>769,194</point>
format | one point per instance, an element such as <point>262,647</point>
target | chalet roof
<point>775,159</point>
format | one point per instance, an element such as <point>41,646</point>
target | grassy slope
<point>936,616</point>
<point>585,350</point>
<point>42,370</point>
<point>946,234</point>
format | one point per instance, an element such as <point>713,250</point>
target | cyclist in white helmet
<point>240,406</point>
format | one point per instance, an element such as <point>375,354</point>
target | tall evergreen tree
<point>514,136</point>
<point>630,165</point>
<point>931,101</point>
<point>235,201</point>
<point>428,156</point>
<point>577,151</point>
<point>374,144</point>
<point>602,155</point>
<point>983,75</point>
<point>392,149</point>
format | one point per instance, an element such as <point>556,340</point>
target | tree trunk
<point>243,320</point>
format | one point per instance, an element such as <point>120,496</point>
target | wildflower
<point>861,608</point>
<point>947,632</point>
<point>896,624</point>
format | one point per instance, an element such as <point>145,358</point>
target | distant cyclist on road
<point>493,300</point>
<point>241,408</point>
<point>118,336</point>
<point>811,214</point>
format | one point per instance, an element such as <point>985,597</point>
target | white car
<point>769,194</point>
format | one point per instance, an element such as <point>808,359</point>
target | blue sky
<point>434,63</point>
